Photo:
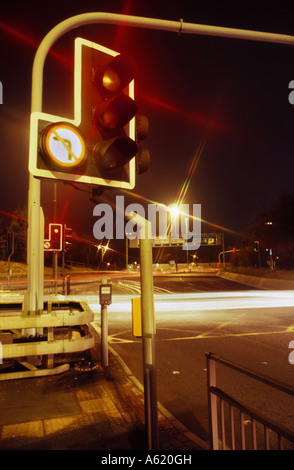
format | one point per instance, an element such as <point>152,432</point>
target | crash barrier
<point>39,335</point>
<point>234,426</point>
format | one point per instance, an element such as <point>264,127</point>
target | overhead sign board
<point>207,239</point>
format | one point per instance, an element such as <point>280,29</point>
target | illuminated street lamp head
<point>174,210</point>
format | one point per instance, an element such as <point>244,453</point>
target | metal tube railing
<point>219,439</point>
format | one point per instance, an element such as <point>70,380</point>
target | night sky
<point>223,100</point>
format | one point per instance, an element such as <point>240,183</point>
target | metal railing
<point>226,432</point>
<point>61,286</point>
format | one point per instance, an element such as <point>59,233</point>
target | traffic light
<point>55,234</point>
<point>99,146</point>
<point>67,237</point>
<point>256,246</point>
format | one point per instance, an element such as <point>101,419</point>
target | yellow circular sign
<point>64,145</point>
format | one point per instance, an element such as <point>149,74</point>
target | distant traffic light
<point>99,146</point>
<point>256,246</point>
<point>55,237</point>
<point>67,237</point>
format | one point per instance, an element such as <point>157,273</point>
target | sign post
<point>148,333</point>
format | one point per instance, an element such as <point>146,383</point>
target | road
<point>245,326</point>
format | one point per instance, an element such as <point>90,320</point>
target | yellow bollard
<point>136,317</point>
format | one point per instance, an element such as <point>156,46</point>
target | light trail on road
<point>203,301</point>
<point>195,310</point>
<point>251,328</point>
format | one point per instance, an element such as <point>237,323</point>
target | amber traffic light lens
<point>111,80</point>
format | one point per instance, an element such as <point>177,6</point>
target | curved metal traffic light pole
<point>139,22</point>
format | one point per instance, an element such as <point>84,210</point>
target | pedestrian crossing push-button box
<point>105,294</point>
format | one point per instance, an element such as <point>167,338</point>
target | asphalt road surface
<point>130,284</point>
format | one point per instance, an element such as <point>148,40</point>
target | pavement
<point>95,409</point>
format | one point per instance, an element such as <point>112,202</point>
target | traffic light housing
<point>256,246</point>
<point>67,237</point>
<point>55,237</point>
<point>99,146</point>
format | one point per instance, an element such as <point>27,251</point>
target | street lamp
<point>174,210</point>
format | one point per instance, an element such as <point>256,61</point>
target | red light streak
<point>66,203</point>
<point>199,119</point>
<point>17,34</point>
<point>158,103</point>
<point>13,216</point>
<point>63,58</point>
<point>121,29</point>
